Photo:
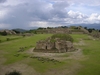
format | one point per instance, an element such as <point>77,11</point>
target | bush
<point>65,37</point>
<point>13,73</point>
<point>7,39</point>
<point>0,41</point>
<point>3,33</point>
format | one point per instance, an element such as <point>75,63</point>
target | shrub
<point>3,33</point>
<point>0,41</point>
<point>65,37</point>
<point>7,39</point>
<point>13,73</point>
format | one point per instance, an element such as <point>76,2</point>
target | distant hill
<point>95,25</point>
<point>19,30</point>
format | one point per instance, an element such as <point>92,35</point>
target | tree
<point>90,30</point>
<point>49,27</point>
<point>64,27</point>
<point>16,31</point>
<point>40,28</point>
<point>85,27</point>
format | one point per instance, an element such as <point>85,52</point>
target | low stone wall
<point>77,32</point>
<point>46,51</point>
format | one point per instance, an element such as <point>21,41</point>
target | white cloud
<point>43,24</point>
<point>99,17</point>
<point>73,14</point>
<point>38,24</point>
<point>76,14</point>
<point>78,18</point>
<point>94,18</point>
<point>3,13</point>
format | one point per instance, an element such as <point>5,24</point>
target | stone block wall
<point>58,46</point>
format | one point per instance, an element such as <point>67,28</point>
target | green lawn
<point>9,38</point>
<point>77,37</point>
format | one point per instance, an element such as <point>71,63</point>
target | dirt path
<point>60,56</point>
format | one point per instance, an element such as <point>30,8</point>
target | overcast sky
<point>44,13</point>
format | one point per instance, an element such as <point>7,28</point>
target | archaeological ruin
<point>54,45</point>
<point>7,32</point>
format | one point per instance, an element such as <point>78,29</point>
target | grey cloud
<point>81,2</point>
<point>60,9</point>
<point>36,10</point>
<point>41,11</point>
<point>87,2</point>
<point>21,15</point>
<point>61,5</point>
<point>2,1</point>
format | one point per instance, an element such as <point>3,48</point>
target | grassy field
<point>8,38</point>
<point>11,47</point>
<point>91,52</point>
<point>70,63</point>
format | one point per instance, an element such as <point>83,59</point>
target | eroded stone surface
<point>57,46</point>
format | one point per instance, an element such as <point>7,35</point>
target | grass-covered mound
<point>65,37</point>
